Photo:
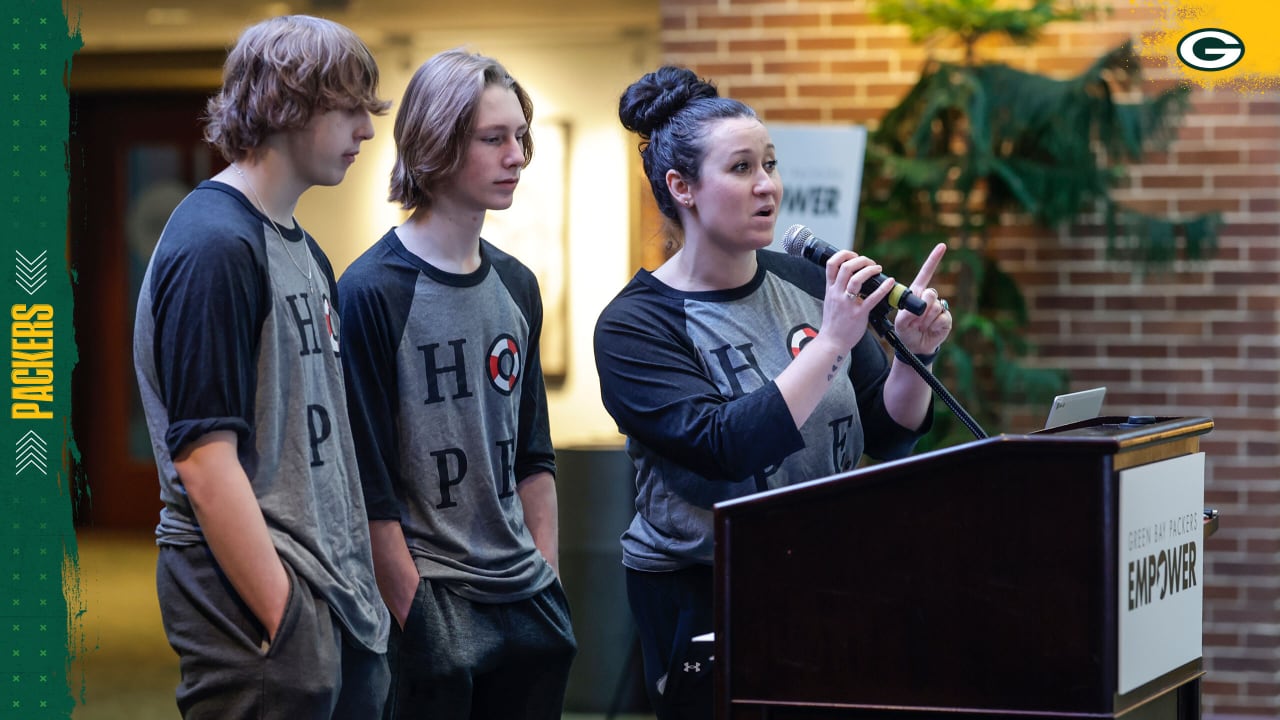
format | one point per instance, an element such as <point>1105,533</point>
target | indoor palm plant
<point>976,144</point>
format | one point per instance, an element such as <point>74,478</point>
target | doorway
<point>132,157</point>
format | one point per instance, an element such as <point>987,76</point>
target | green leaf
<point>972,145</point>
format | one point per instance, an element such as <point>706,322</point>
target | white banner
<point>1161,568</point>
<point>821,171</point>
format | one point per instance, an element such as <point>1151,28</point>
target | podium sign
<point>1161,568</point>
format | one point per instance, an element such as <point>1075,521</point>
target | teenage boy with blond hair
<point>265,575</point>
<point>450,414</point>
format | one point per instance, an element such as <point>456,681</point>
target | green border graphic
<point>38,575</point>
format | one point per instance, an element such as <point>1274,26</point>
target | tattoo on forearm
<point>835,367</point>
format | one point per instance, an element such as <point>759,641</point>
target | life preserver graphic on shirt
<point>799,337</point>
<point>504,364</point>
<point>329,326</point>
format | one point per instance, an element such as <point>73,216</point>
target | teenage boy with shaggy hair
<point>265,575</point>
<point>449,410</point>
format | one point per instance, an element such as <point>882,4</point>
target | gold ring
<point>851,295</point>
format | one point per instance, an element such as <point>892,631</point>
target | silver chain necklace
<point>279,233</point>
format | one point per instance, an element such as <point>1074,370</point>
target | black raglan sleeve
<point>373,301</point>
<point>209,300</point>
<point>534,450</point>
<point>868,370</point>
<point>653,384</point>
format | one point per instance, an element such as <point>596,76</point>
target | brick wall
<point>1189,339</point>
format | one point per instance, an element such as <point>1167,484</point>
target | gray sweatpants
<point>462,660</point>
<point>312,669</point>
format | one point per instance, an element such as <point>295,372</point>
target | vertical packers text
<point>31,352</point>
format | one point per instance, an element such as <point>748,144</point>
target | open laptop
<point>1074,407</point>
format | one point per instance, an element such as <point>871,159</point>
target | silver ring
<point>946,305</point>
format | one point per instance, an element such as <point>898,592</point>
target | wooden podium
<point>983,580</point>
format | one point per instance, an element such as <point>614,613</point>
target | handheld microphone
<point>801,242</point>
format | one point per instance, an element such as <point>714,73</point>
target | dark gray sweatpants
<point>462,660</point>
<point>312,669</point>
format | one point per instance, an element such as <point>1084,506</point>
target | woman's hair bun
<point>652,100</point>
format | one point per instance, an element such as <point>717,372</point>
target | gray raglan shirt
<point>450,413</point>
<point>689,378</point>
<point>231,336</point>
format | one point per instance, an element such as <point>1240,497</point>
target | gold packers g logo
<point>1210,49</point>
